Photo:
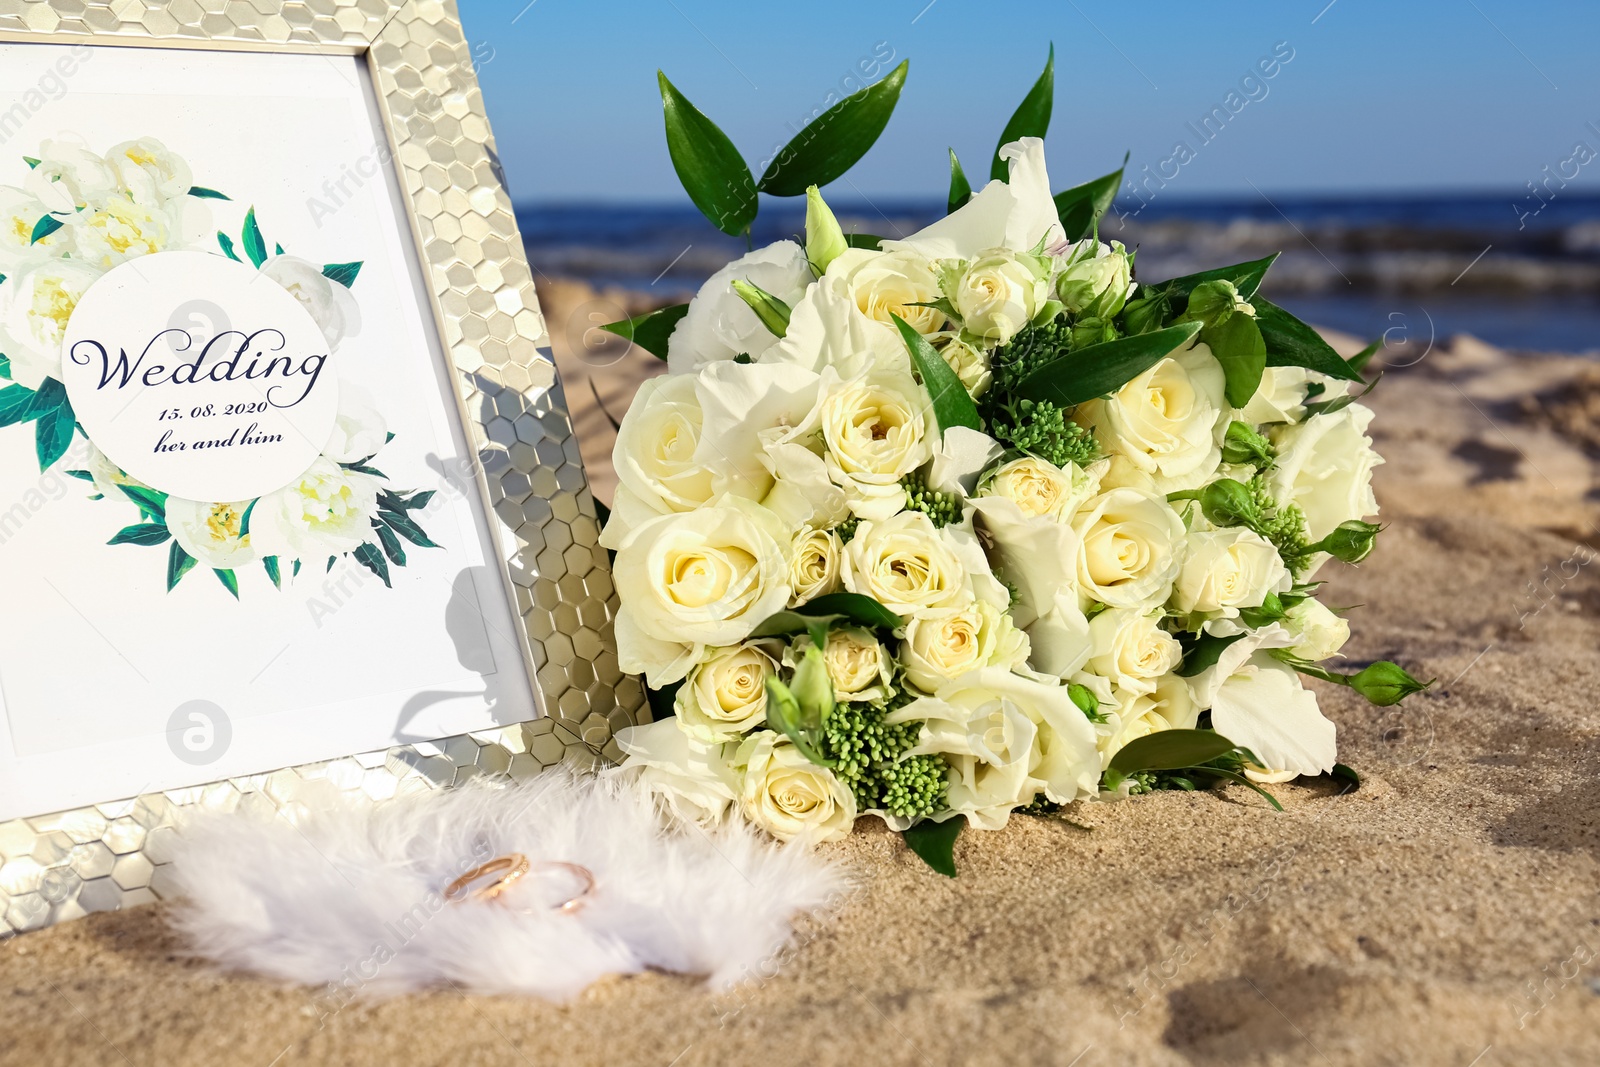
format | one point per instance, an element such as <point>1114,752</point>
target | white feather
<point>352,898</point>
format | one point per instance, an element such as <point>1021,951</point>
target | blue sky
<point>1379,94</point>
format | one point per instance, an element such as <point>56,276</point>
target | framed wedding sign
<point>290,504</point>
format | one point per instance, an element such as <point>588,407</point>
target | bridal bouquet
<point>969,522</point>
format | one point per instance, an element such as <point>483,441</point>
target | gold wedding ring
<point>509,869</point>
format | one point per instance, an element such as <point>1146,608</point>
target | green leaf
<point>935,843</point>
<point>1203,654</point>
<point>270,565</point>
<point>30,161</point>
<point>82,476</point>
<point>369,557</point>
<point>773,313</point>
<point>244,520</point>
<point>343,273</point>
<point>960,188</point>
<point>227,247</point>
<point>207,194</point>
<point>5,360</point>
<point>1170,750</point>
<point>46,226</point>
<point>650,330</point>
<point>1080,207</point>
<point>1246,277</point>
<point>229,580</point>
<point>152,502</point>
<point>179,563</point>
<point>1103,368</point>
<point>663,702</point>
<point>53,433</point>
<point>391,544</point>
<point>16,405</point>
<point>710,168</point>
<point>1238,346</point>
<point>1032,117</point>
<point>401,524</point>
<point>255,245</point>
<point>1241,779</point>
<point>1291,343</point>
<point>871,242</point>
<point>952,404</point>
<point>145,533</point>
<point>1359,361</point>
<point>833,141</point>
<point>1346,774</point>
<point>856,607</point>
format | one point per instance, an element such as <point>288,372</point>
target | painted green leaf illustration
<point>255,245</point>
<point>179,563</point>
<point>229,580</point>
<point>44,228</point>
<point>369,557</point>
<point>145,533</point>
<point>207,194</point>
<point>343,273</point>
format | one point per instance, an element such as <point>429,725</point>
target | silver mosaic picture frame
<point>530,475</point>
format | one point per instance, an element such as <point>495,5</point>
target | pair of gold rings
<point>506,871</point>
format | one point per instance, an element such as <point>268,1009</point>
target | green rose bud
<point>1385,683</point>
<point>1145,315</point>
<point>773,313</point>
<point>1096,285</point>
<point>1351,541</point>
<point>1092,331</point>
<point>800,711</point>
<point>1244,445</point>
<point>1213,303</point>
<point>813,688</point>
<point>1087,702</point>
<point>1229,503</point>
<point>824,239</point>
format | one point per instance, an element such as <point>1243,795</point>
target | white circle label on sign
<point>200,376</point>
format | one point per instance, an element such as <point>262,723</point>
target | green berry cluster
<point>1029,350</point>
<point>847,529</point>
<point>1285,527</point>
<point>871,761</point>
<point>1042,429</point>
<point>942,508</point>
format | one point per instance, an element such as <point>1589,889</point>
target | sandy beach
<point>1447,912</point>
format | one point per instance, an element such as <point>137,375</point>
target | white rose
<point>725,696</point>
<point>876,430</point>
<point>1166,421</point>
<point>34,310</point>
<point>327,511</point>
<point>815,566</point>
<point>68,176</point>
<point>997,294</point>
<point>687,778</point>
<point>120,229</point>
<point>1225,570</point>
<point>720,325</point>
<point>1319,633</point>
<point>905,565</point>
<point>657,445</point>
<point>1016,213</point>
<point>148,172</point>
<point>941,648</point>
<point>1325,467</point>
<point>210,532</point>
<point>970,364</point>
<point>359,431</point>
<point>1132,548</point>
<point>1006,739</point>
<point>858,666</point>
<point>790,797</point>
<point>703,577</point>
<point>330,304</point>
<point>20,212</point>
<point>1131,650</point>
<point>885,284</point>
<point>1040,488</point>
<point>1167,706</point>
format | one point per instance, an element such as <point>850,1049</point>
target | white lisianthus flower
<point>360,429</point>
<point>20,212</point>
<point>941,648</point>
<point>725,696</point>
<point>826,329</point>
<point>1167,706</point>
<point>814,568</point>
<point>149,172</point>
<point>997,293</point>
<point>1281,397</point>
<point>1257,702</point>
<point>1319,633</point>
<point>1225,570</point>
<point>68,176</point>
<point>1132,548</point>
<point>657,443</point>
<point>720,325</point>
<point>1325,467</point>
<point>802,493</point>
<point>211,532</point>
<point>882,285</point>
<point>858,666</point>
<point>744,408</point>
<point>703,577</point>
<point>1007,739</point>
<point>876,430</point>
<point>1166,423</point>
<point>790,797</point>
<point>1131,650</point>
<point>327,511</point>
<point>904,564</point>
<point>687,778</point>
<point>120,229</point>
<point>1039,487</point>
<point>1039,555</point>
<point>1096,280</point>
<point>34,310</point>
<point>1016,213</point>
<point>330,304</point>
